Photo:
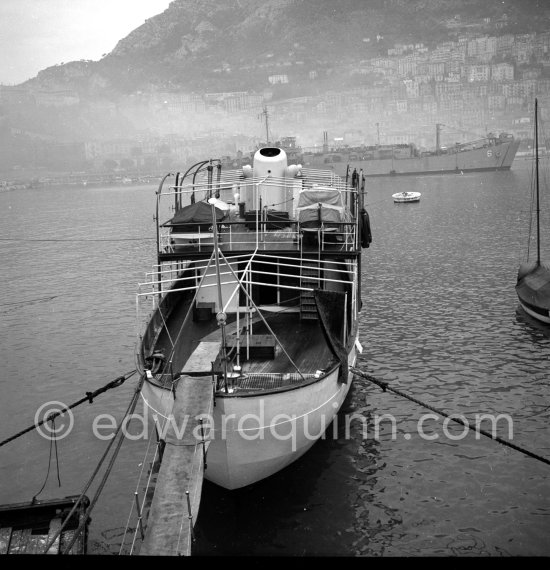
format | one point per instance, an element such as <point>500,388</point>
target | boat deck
<point>268,366</point>
<point>28,528</point>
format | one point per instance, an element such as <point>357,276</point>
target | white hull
<point>406,197</point>
<point>256,436</point>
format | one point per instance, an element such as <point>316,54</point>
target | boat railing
<point>172,277</point>
<point>157,296</point>
<point>265,233</point>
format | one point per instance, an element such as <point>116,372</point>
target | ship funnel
<point>269,191</point>
<point>270,161</point>
<point>274,181</point>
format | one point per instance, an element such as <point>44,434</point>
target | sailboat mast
<point>537,178</point>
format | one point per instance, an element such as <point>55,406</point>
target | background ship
<point>490,153</point>
<point>493,152</point>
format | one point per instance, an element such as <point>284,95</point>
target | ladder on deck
<point>309,277</point>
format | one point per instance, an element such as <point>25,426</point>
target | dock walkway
<point>169,526</point>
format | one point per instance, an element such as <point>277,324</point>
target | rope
<point>147,486</point>
<point>39,299</point>
<point>89,398</point>
<point>53,442</point>
<point>477,429</point>
<point>74,239</point>
<point>260,314</point>
<point>144,463</point>
<point>133,502</point>
<point>85,518</point>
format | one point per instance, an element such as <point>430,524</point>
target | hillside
<point>201,45</point>
<point>164,80</point>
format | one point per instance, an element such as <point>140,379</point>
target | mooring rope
<point>129,411</point>
<point>53,442</point>
<point>89,398</point>
<point>477,429</point>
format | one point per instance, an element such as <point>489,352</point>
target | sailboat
<point>533,283</point>
<point>255,324</point>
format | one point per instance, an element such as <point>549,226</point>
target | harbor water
<point>440,321</point>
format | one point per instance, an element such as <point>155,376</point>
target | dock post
<point>140,522</point>
<point>190,516</point>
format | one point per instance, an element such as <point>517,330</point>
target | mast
<point>221,317</point>
<point>537,178</point>
<point>266,115</point>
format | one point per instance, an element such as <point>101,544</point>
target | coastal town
<point>477,83</point>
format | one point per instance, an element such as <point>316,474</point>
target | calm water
<point>440,321</point>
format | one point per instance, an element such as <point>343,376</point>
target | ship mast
<point>266,116</point>
<point>537,178</point>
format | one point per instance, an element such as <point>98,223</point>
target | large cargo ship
<point>493,152</point>
<point>490,153</point>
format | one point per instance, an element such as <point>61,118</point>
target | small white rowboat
<point>406,197</point>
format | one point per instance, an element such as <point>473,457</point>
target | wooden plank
<point>37,544</point>
<point>170,525</point>
<point>19,541</point>
<point>5,535</point>
<point>25,538</point>
<point>55,525</point>
<point>202,358</point>
<point>15,541</point>
<point>66,537</point>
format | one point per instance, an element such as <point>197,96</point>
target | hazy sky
<point>35,34</point>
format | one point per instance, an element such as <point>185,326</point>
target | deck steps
<point>169,528</point>
<point>309,277</point>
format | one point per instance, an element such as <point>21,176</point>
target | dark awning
<point>198,213</point>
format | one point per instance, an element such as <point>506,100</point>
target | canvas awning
<point>320,204</point>
<point>198,213</point>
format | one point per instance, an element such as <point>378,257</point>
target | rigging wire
<point>28,301</point>
<point>144,462</point>
<point>385,387</point>
<point>88,398</point>
<point>129,412</point>
<point>147,487</point>
<point>75,239</point>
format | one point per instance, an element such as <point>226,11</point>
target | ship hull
<point>542,315</point>
<point>490,158</point>
<point>253,437</point>
<point>533,290</point>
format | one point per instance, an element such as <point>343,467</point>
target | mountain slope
<point>192,41</point>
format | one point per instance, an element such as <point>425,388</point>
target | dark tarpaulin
<point>364,229</point>
<point>331,309</point>
<point>198,213</point>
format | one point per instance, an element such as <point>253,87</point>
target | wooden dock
<point>170,525</point>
